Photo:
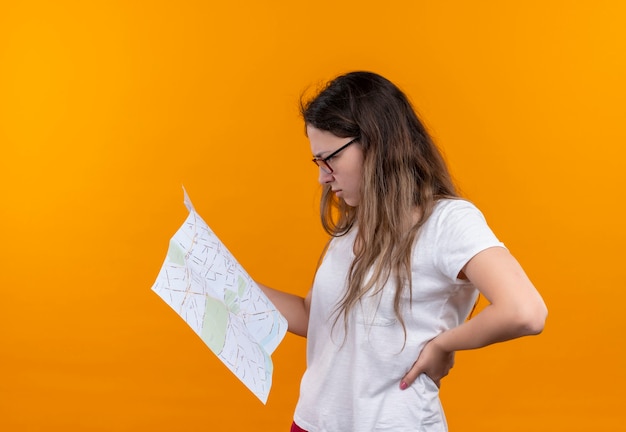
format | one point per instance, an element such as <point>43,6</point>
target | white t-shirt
<point>352,379</point>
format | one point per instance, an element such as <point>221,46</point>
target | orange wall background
<point>107,108</point>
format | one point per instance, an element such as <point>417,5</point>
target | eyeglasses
<point>323,163</point>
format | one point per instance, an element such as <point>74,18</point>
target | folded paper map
<point>201,280</point>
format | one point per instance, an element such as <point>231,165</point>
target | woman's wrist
<point>442,342</point>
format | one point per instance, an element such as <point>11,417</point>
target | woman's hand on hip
<point>432,361</point>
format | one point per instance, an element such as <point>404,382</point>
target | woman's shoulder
<point>445,206</point>
<point>454,212</point>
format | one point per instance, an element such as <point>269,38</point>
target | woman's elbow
<point>533,320</point>
<point>299,330</point>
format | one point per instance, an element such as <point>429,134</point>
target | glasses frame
<point>323,162</point>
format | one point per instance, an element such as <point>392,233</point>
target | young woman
<point>406,261</point>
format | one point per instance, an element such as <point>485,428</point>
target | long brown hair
<point>404,175</point>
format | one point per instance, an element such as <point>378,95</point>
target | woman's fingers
<point>410,376</point>
<point>432,361</point>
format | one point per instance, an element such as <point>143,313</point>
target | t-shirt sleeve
<point>462,232</point>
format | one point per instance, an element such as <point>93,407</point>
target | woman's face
<point>347,165</point>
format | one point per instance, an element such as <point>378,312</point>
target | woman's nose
<point>325,177</point>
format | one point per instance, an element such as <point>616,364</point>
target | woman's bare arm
<point>516,309</point>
